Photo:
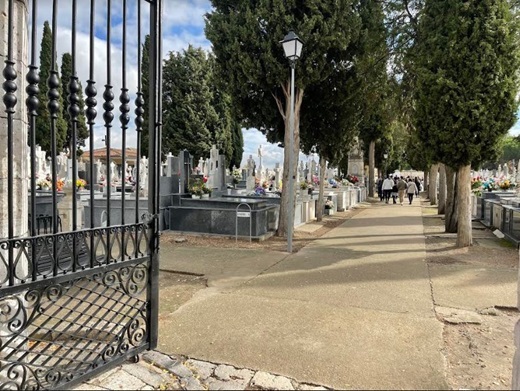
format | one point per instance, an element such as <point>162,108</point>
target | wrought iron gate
<point>78,297</point>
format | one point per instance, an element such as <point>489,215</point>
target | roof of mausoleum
<point>115,154</point>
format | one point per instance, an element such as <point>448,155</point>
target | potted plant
<point>196,189</point>
<point>206,191</point>
<point>237,176</point>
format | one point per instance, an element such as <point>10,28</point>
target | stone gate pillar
<point>20,125</point>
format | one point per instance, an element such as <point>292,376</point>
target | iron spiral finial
<point>108,106</point>
<point>32,90</point>
<point>139,111</point>
<point>73,98</point>
<point>124,98</point>
<point>91,102</point>
<point>53,94</point>
<point>9,86</point>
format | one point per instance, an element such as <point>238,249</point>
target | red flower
<point>205,179</point>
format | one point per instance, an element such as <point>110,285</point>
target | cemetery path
<point>353,309</point>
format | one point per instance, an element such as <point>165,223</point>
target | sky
<point>183,24</point>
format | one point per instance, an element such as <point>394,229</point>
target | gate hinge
<point>148,218</point>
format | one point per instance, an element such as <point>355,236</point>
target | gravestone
<point>213,164</point>
<point>260,165</point>
<point>355,161</point>
<point>313,169</point>
<point>185,160</point>
<point>277,175</point>
<point>250,166</point>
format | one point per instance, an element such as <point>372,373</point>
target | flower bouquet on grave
<point>259,190</point>
<point>304,185</point>
<point>43,184</point>
<point>329,204</point>
<point>476,186</point>
<point>206,189</point>
<point>353,179</point>
<point>80,184</point>
<point>505,184</point>
<point>490,185</point>
<point>237,176</point>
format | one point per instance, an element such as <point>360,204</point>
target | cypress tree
<point>43,129</point>
<point>43,122</point>
<point>190,120</point>
<point>81,128</point>
<point>246,41</point>
<point>467,81</point>
<point>238,145</point>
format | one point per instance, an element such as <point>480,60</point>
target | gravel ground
<point>478,356</point>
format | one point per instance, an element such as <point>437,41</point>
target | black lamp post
<point>292,46</point>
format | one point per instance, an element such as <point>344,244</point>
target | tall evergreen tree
<point>190,120</point>
<point>81,128</point>
<point>246,41</point>
<point>467,82</point>
<point>238,145</point>
<point>145,84</point>
<point>43,122</point>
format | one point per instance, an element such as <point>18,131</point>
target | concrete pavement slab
<point>223,267</point>
<point>346,348</point>
<point>462,286</point>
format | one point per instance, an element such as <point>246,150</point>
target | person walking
<point>411,190</point>
<point>418,186</point>
<point>401,188</point>
<point>394,191</point>
<point>388,184</point>
<point>380,188</point>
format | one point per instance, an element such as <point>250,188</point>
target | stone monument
<point>355,161</point>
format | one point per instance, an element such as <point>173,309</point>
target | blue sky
<point>183,24</point>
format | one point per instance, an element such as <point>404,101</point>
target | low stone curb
<point>158,371</point>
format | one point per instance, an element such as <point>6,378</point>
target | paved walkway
<point>353,310</point>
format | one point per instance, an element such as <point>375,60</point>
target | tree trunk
<point>284,202</point>
<point>371,164</point>
<point>450,215</point>
<point>319,210</point>
<point>442,190</point>
<point>464,234</point>
<point>425,182</point>
<point>432,190</point>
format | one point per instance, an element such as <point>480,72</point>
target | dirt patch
<point>176,289</point>
<point>478,356</point>
<point>274,243</point>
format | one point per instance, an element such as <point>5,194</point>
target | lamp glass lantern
<point>292,46</point>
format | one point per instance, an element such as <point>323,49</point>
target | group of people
<point>396,187</point>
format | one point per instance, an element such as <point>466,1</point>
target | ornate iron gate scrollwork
<point>77,297</point>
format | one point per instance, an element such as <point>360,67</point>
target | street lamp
<point>292,46</point>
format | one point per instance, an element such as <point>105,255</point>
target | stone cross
<point>277,170</point>
<point>250,166</point>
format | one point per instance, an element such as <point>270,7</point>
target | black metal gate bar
<point>73,109</point>
<point>54,106</point>
<point>108,116</point>
<point>91,115</point>
<point>155,128</point>
<point>32,102</point>
<point>124,118</point>
<point>10,101</point>
<point>139,111</point>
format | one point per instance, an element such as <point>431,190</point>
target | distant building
<point>116,155</point>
